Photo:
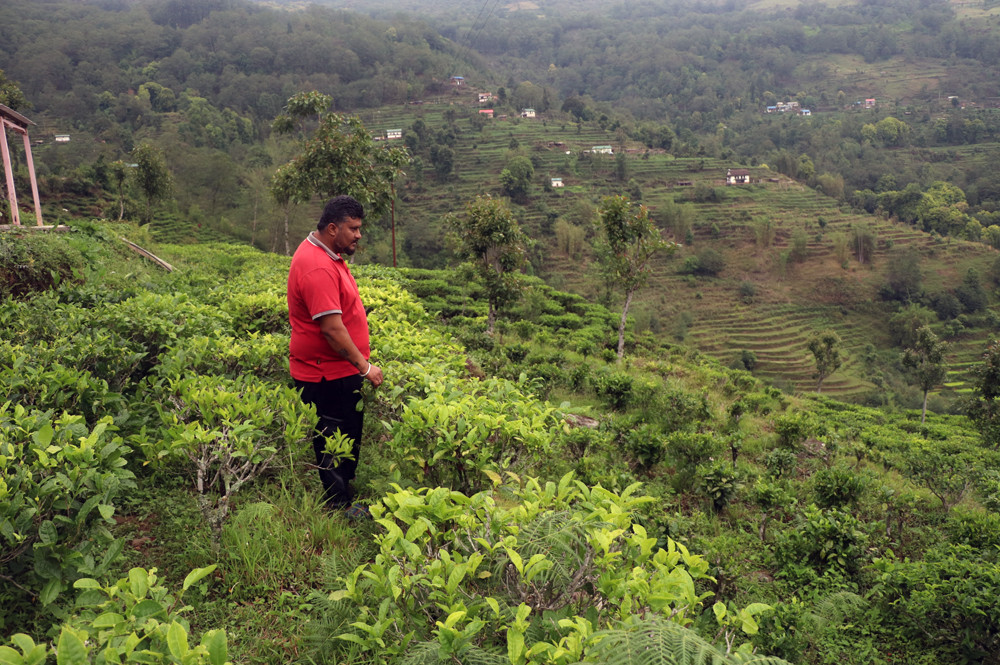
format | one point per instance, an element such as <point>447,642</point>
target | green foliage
<point>491,239</point>
<point>793,429</point>
<point>838,486</point>
<point>151,176</point>
<point>720,482</point>
<point>562,563</point>
<point>135,619</point>
<point>629,242</point>
<point>59,484</point>
<point>30,264</point>
<point>228,431</point>
<point>926,361</point>
<point>460,429</point>
<point>825,347</point>
<point>821,542</point>
<point>516,177</point>
<point>340,157</point>
<point>944,603</point>
<point>983,405</point>
<point>616,389</point>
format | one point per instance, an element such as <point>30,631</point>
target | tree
<point>926,359</point>
<point>629,243</point>
<point>516,178</point>
<point>119,174</point>
<point>983,405</point>
<point>825,347</point>
<point>903,275</point>
<point>491,239</point>
<point>151,176</point>
<point>340,157</point>
<point>10,94</point>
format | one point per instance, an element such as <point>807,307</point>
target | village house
<point>870,103</point>
<point>602,150</point>
<point>485,97</point>
<point>458,80</point>
<point>527,113</point>
<point>557,182</point>
<point>486,112</point>
<point>393,134</point>
<point>737,177</point>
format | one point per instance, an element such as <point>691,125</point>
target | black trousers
<point>336,404</point>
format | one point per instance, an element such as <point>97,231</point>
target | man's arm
<point>336,335</point>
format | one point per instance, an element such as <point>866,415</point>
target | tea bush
<point>472,578</point>
<point>59,482</point>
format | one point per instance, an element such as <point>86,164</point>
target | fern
<point>656,641</point>
<point>428,653</point>
<point>563,540</point>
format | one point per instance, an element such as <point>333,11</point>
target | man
<point>329,350</point>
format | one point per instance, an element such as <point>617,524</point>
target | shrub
<point>945,604</point>
<point>819,543</point>
<point>466,579</point>
<point>644,444</point>
<point>719,482</point>
<point>838,486</point>
<point>135,618</point>
<point>616,389</point>
<point>793,429</point>
<point>59,482</point>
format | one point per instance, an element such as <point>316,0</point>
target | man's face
<point>345,236</point>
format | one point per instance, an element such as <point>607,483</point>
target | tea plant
<point>471,577</point>
<point>59,482</point>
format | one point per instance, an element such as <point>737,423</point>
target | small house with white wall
<point>557,182</point>
<point>527,113</point>
<point>393,133</point>
<point>485,97</point>
<point>737,177</point>
<point>602,150</point>
<point>486,112</point>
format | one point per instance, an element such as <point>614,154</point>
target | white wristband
<point>367,370</point>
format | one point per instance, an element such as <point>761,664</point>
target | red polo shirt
<point>320,283</point>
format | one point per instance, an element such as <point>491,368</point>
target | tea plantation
<point>534,501</point>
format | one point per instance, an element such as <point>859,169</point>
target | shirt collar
<point>314,240</point>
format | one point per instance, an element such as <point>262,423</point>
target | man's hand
<point>375,375</point>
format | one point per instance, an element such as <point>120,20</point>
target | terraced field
<point>829,288</point>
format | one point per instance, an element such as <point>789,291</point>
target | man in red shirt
<point>329,349</point>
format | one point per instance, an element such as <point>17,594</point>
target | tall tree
<point>926,359</point>
<point>339,157</point>
<point>630,241</point>
<point>825,347</point>
<point>983,405</point>
<point>516,177</point>
<point>152,177</point>
<point>491,239</point>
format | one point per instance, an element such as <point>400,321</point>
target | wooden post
<point>9,170</point>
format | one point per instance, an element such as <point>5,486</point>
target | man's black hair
<point>338,209</point>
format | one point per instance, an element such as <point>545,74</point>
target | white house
<point>527,113</point>
<point>737,177</point>
<point>602,150</point>
<point>485,97</point>
<point>393,133</point>
<point>557,182</point>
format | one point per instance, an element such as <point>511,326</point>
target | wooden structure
<point>17,123</point>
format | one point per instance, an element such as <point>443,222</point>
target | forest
<point>674,417</point>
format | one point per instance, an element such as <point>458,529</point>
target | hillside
<point>756,229</point>
<point>679,94</point>
<point>682,502</point>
